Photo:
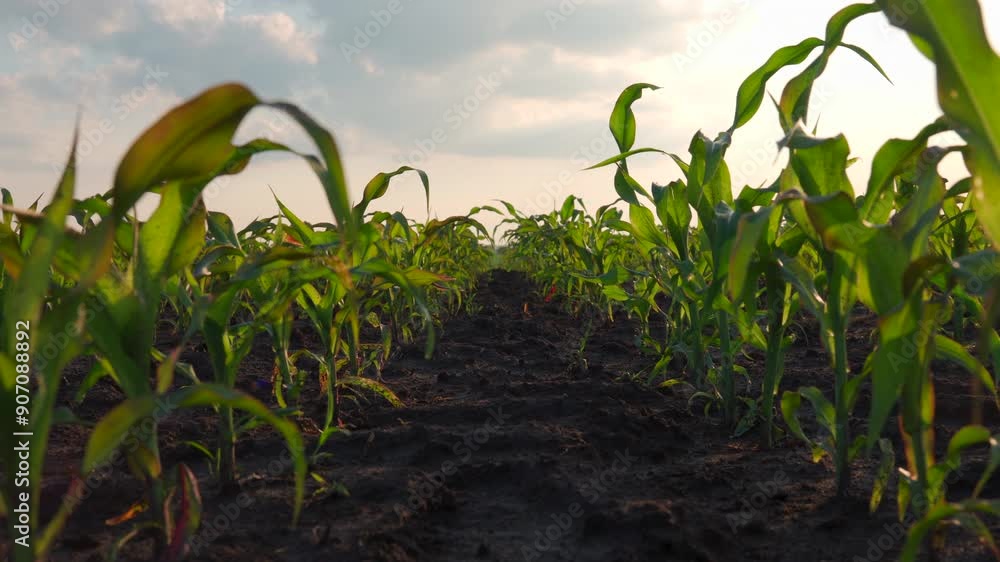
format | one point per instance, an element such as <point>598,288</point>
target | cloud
<point>418,61</point>
<point>422,35</point>
<point>284,34</point>
<point>204,16</point>
<point>394,78</point>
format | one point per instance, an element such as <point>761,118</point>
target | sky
<point>494,100</point>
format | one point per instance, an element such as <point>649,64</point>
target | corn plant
<point>128,300</point>
<point>177,157</point>
<point>349,267</point>
<point>952,35</point>
<point>241,273</point>
<point>451,254</point>
<point>761,233</point>
<point>29,243</point>
<point>556,250</point>
<point>707,181</point>
<point>817,168</point>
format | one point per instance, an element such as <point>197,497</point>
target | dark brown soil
<point>510,448</point>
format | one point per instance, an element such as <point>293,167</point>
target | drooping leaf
<point>622,121</point>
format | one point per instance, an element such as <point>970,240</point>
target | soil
<point>509,447</point>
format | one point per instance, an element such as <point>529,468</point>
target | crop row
<point>916,250</point>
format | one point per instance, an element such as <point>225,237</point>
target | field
<point>804,370</point>
<point>685,493</point>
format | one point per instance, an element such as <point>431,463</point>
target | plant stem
<point>836,273</point>
<point>332,394</point>
<point>157,492</point>
<point>697,349</point>
<point>843,438</point>
<point>728,380</point>
<point>774,361</point>
<point>227,450</point>
<point>284,374</point>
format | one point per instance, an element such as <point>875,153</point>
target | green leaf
<point>885,471</point>
<point>985,189</point>
<point>708,180</point>
<point>794,103</point>
<point>902,352</point>
<point>977,271</point>
<point>190,142</point>
<point>113,428</point>
<point>379,184</point>
<point>797,275</point>
<point>623,156</point>
<point>751,92</point>
<point>991,467</point>
<point>622,122</point>
<point>7,200</point>
<point>824,408</point>
<point>373,386</point>
<point>868,58</point>
<point>968,436</point>
<point>627,187</point>
<point>644,227</point>
<point>568,206</point>
<point>892,159</point>
<point>674,211</point>
<point>306,234</point>
<point>172,238</point>
<point>329,170</point>
<point>749,232</point>
<point>935,516</point>
<point>615,293</point>
<point>791,402</point>
<point>953,35</point>
<point>222,229</point>
<point>950,350</point>
<point>820,163</point>
<point>968,67</point>
<point>203,395</point>
<point>24,300</point>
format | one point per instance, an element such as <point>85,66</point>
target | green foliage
<point>108,282</point>
<point>911,249</point>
